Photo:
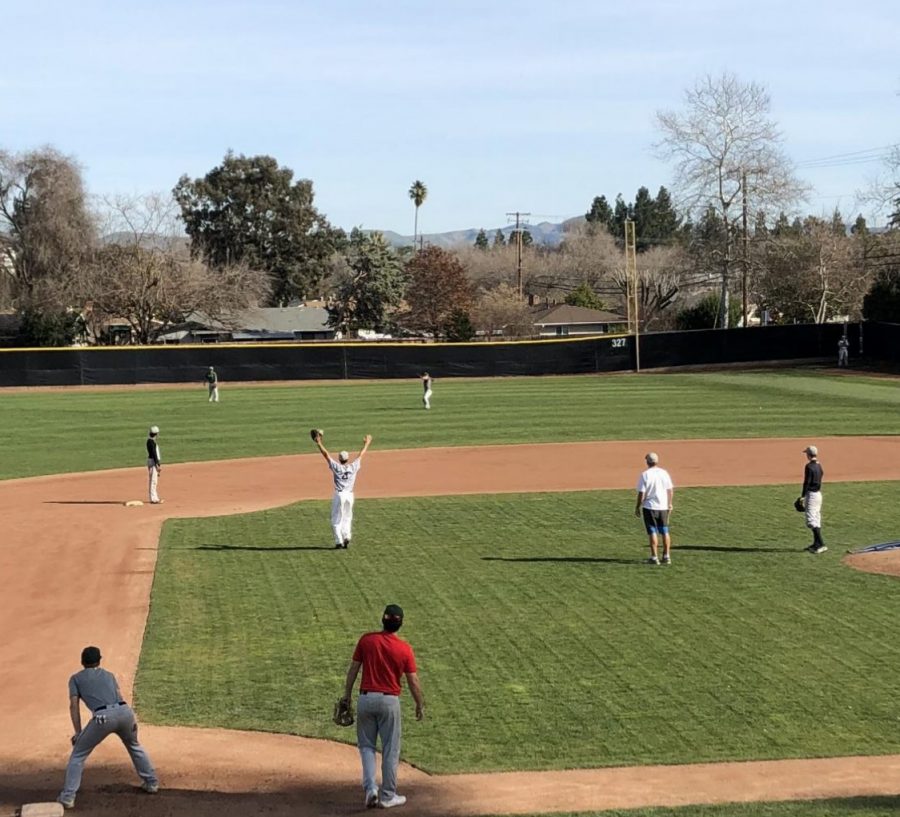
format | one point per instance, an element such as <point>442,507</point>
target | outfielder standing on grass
<point>344,474</point>
<point>426,397</point>
<point>154,464</point>
<point>654,500</point>
<point>384,658</point>
<point>100,692</point>
<point>212,382</point>
<point>812,498</point>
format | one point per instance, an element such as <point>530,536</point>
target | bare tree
<point>727,154</point>
<point>664,273</point>
<point>816,274</point>
<point>501,308</point>
<point>146,276</point>
<point>46,230</point>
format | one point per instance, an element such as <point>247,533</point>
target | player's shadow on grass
<point>736,549</point>
<point>574,559</point>
<point>263,548</point>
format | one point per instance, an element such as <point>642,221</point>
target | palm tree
<point>418,193</point>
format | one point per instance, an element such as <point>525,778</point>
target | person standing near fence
<point>212,381</point>
<point>843,351</point>
<point>426,383</point>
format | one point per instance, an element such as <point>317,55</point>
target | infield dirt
<point>78,567</point>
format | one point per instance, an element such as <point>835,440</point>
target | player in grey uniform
<point>100,692</point>
<point>344,473</point>
<point>154,464</point>
<point>426,383</point>
<point>843,351</point>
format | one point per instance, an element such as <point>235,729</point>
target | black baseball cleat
<point>338,546</point>
<point>346,543</point>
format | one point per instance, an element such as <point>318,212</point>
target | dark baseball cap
<point>90,655</point>
<point>393,611</point>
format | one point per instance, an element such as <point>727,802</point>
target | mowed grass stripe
<point>834,807</point>
<point>543,640</point>
<point>43,433</point>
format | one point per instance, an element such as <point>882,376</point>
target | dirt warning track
<point>78,566</point>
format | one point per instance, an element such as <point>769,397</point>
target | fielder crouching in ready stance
<point>111,715</point>
<point>654,501</point>
<point>384,658</point>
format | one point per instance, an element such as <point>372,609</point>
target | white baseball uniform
<point>342,503</point>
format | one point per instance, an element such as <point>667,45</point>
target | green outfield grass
<point>42,433</point>
<point>837,807</point>
<point>543,641</point>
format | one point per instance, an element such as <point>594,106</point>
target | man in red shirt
<point>383,658</point>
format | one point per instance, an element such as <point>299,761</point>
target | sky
<point>531,106</point>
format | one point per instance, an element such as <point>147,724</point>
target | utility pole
<point>631,290</point>
<point>518,216</point>
<point>746,264</point>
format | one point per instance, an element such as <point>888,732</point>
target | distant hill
<point>544,233</point>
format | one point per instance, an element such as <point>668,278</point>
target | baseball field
<point>502,521</point>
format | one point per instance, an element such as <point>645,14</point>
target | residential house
<point>564,320</point>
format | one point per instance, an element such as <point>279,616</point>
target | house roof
<point>269,320</point>
<point>564,314</point>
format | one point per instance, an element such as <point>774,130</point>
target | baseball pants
<point>154,480</point>
<point>117,720</point>
<point>814,509</point>
<point>426,399</point>
<point>378,715</point>
<point>342,515</point>
<point>213,394</point>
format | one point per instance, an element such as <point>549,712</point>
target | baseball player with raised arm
<point>426,397</point>
<point>655,491</point>
<point>344,473</point>
<point>154,464</point>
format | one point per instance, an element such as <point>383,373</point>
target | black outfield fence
<point>339,361</point>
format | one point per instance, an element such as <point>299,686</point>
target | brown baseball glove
<point>316,434</point>
<point>343,712</point>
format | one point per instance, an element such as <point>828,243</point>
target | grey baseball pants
<point>119,720</point>
<point>378,715</point>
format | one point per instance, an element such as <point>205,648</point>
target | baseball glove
<point>343,712</point>
<point>799,505</point>
<point>315,434</point>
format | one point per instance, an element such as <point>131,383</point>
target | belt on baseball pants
<point>110,706</point>
<point>375,692</point>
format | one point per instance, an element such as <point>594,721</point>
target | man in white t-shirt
<point>654,501</point>
<point>344,474</point>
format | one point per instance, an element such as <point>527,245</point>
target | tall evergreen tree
<point>499,240</point>
<point>481,240</point>
<point>600,214</point>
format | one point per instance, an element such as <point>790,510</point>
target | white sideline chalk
<point>42,810</point>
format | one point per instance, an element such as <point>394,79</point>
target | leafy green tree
<point>437,286</point>
<point>859,226</point>
<point>370,288</point>
<point>705,314</point>
<point>600,214</point>
<point>584,295</point>
<point>50,327</point>
<point>250,211</point>
<point>622,212</point>
<point>882,301</point>
<point>481,240</point>
<point>418,192</point>
<point>527,238</point>
<point>458,327</point>
<point>499,240</point>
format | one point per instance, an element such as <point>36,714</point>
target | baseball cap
<point>90,655</point>
<point>393,611</point>
<point>343,456</point>
<point>811,449</point>
<point>652,457</point>
<point>154,429</point>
